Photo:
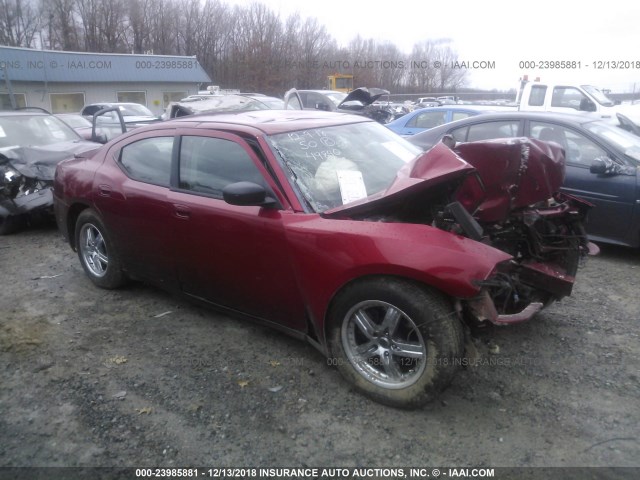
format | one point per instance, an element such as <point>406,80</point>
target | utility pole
<point>5,68</point>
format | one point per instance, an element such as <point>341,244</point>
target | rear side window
<point>490,130</point>
<point>460,115</point>
<point>90,110</point>
<point>208,164</point>
<point>567,97</point>
<point>429,119</point>
<point>149,160</point>
<point>536,98</point>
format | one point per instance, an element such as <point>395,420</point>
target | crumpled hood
<point>41,162</point>
<point>215,104</point>
<point>435,167</point>
<point>511,173</point>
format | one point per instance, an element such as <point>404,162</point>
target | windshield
<point>134,110</point>
<point>34,131</point>
<point>333,166</point>
<point>600,97</point>
<point>271,102</point>
<point>625,142</point>
<point>75,121</point>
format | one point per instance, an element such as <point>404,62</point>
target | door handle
<point>104,190</point>
<point>181,211</point>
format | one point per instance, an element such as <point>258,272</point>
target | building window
<point>66,102</point>
<point>5,100</point>
<point>133,97</point>
<point>168,97</point>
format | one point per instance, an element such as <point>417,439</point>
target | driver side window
<point>208,164</point>
<point>579,150</point>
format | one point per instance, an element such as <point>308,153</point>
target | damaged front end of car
<point>505,194</point>
<point>513,203</point>
<point>26,184</point>
<point>20,197</point>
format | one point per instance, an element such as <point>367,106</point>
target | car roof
<point>269,122</point>
<point>474,108</point>
<point>11,113</point>
<point>567,118</point>
<point>431,135</point>
<point>321,91</point>
<point>113,103</point>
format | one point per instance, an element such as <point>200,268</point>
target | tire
<point>97,253</point>
<point>394,341</point>
<point>11,224</point>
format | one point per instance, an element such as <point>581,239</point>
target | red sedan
<point>331,228</point>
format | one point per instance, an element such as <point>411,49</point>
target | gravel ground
<point>136,377</point>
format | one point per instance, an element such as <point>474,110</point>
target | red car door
<point>234,256</point>
<point>130,193</point>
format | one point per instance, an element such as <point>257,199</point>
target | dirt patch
<point>136,377</point>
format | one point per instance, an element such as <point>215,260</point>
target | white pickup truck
<point>568,98</point>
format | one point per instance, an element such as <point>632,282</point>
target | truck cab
<point>580,99</point>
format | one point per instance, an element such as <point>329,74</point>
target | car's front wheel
<point>395,341</point>
<point>97,254</point>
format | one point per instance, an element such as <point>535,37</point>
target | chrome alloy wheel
<point>93,250</point>
<point>383,344</point>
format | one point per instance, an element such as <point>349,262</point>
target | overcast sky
<point>505,32</point>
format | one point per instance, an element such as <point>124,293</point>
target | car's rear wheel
<point>97,254</point>
<point>395,341</point>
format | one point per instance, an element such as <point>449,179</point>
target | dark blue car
<point>602,162</point>
<point>430,117</point>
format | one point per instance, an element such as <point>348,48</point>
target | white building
<point>66,81</point>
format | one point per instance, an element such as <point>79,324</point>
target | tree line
<point>246,47</point>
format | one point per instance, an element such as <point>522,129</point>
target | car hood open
<point>364,95</point>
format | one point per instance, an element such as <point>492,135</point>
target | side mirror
<point>246,194</point>
<point>99,137</point>
<point>449,141</point>
<point>604,166</point>
<point>322,106</point>
<point>587,105</point>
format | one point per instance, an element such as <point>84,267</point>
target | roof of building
<point>29,65</point>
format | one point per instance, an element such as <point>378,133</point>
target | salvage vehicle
<point>602,162</point>
<point>361,101</point>
<point>333,229</point>
<point>218,104</point>
<point>31,145</point>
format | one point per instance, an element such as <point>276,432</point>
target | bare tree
<point>61,24</point>
<point>451,77</point>
<point>246,47</point>
<point>19,23</point>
